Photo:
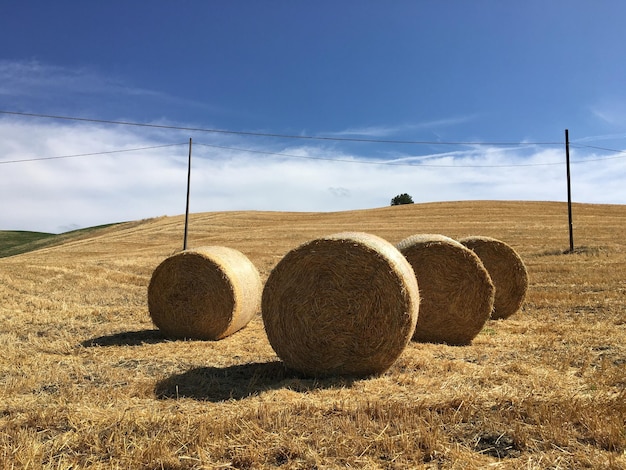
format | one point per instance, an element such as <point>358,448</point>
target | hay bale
<point>345,304</point>
<point>455,288</point>
<point>205,293</point>
<point>507,271</point>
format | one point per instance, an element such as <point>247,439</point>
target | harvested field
<point>87,381</point>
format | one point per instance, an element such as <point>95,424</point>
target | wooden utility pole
<point>569,194</point>
<point>188,186</point>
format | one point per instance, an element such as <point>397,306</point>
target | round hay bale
<point>455,288</point>
<point>206,293</point>
<point>507,271</point>
<point>345,304</point>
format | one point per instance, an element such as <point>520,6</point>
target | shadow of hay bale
<point>127,338</point>
<point>237,382</point>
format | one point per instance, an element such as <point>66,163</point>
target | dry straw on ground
<point>86,382</point>
<point>507,271</point>
<point>345,304</point>
<point>205,293</point>
<point>456,290</point>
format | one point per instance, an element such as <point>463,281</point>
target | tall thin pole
<point>569,194</point>
<point>188,186</point>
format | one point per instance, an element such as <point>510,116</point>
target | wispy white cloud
<point>388,130</point>
<point>605,115</point>
<point>34,78</point>
<point>610,111</point>
<point>56,195</point>
<point>25,82</point>
<point>595,138</point>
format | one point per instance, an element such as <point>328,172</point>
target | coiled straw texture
<point>507,271</point>
<point>205,293</point>
<point>345,304</point>
<point>456,290</point>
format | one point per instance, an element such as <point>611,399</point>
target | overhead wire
<point>597,148</point>
<point>90,154</point>
<point>275,135</point>
<point>308,157</point>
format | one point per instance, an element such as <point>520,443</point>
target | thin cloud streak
<point>610,111</point>
<point>386,131</point>
<point>27,81</point>
<point>593,138</point>
<point>31,78</point>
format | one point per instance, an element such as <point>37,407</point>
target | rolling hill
<point>87,381</point>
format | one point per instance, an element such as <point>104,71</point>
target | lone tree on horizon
<point>403,198</point>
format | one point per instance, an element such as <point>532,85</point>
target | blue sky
<point>479,72</point>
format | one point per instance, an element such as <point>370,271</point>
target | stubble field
<point>87,382</point>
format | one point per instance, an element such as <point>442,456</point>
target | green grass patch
<point>16,242</point>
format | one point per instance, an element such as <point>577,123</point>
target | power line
<point>264,134</point>
<point>308,157</point>
<point>341,139</point>
<point>600,159</point>
<point>89,154</point>
<point>597,148</point>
